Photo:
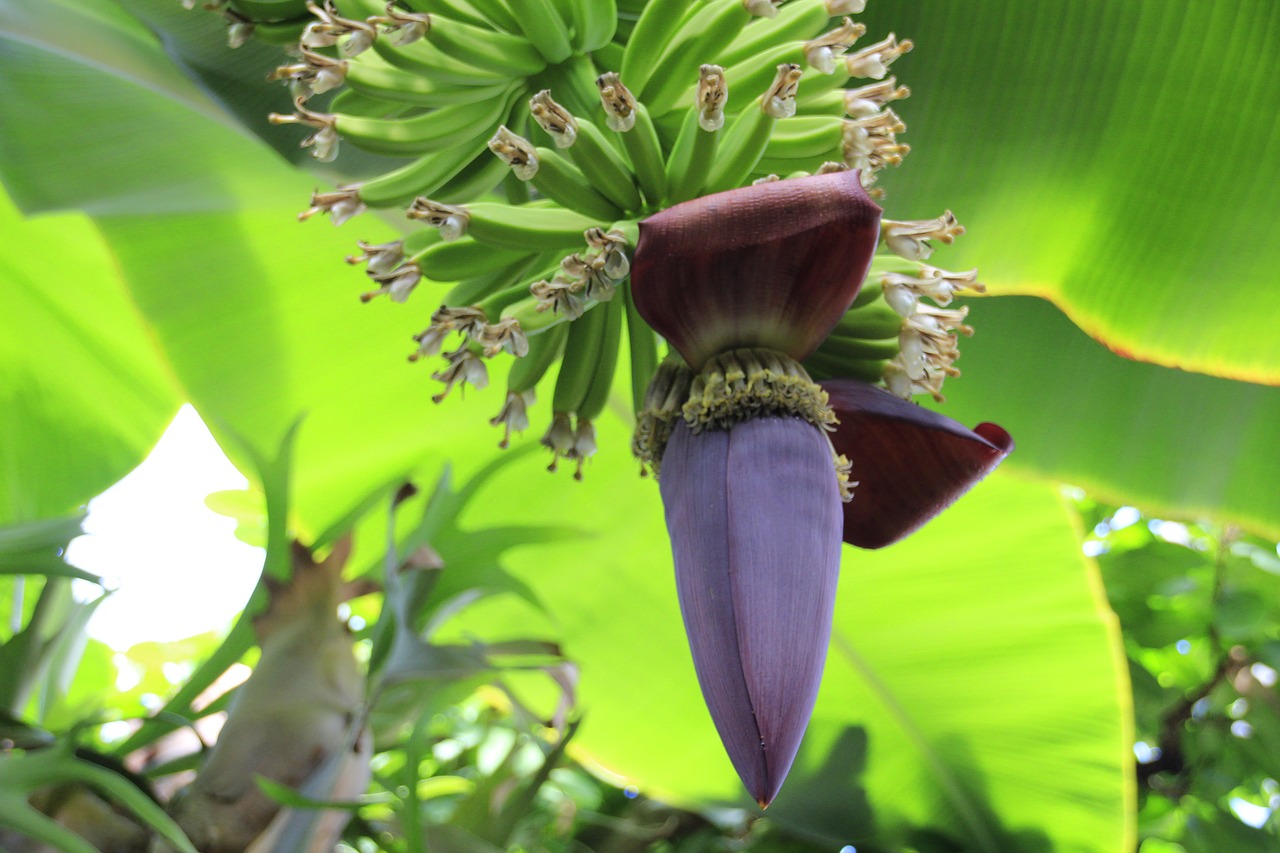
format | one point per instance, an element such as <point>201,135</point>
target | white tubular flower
<point>873,61</point>
<point>314,75</point>
<point>618,102</point>
<point>912,239</point>
<point>464,368</point>
<point>559,438</point>
<point>870,99</point>
<point>941,285</point>
<point>450,220</point>
<point>516,151</point>
<point>762,8</point>
<point>558,122</point>
<point>779,100</point>
<point>340,205</point>
<point>503,336</point>
<point>403,27</point>
<point>821,53</point>
<point>379,258</point>
<point>711,97</point>
<point>514,415</point>
<point>397,283</point>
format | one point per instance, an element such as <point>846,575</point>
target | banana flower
<point>756,461</point>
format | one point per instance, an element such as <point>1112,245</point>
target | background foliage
<point>975,698</point>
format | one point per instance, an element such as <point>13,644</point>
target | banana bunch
<point>536,134</point>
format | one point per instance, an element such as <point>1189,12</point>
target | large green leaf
<point>83,395</point>
<point>1119,158</point>
<point>97,118</point>
<point>972,688</point>
<point>1173,442</point>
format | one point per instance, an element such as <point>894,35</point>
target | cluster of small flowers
<point>385,264</point>
<point>592,275</point>
<point>481,338</point>
<point>927,341</point>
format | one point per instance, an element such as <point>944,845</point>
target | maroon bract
<point>754,518</point>
<point>909,463</point>
<point>770,266</point>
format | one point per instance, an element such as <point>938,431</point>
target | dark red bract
<point>772,266</point>
<point>909,463</point>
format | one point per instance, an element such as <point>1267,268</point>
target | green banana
<point>609,56</point>
<point>424,176</point>
<point>477,179</point>
<point>795,21</point>
<point>376,77</point>
<point>644,149</point>
<point>749,135</point>
<point>472,290</point>
<point>655,28</point>
<point>642,344</point>
<point>430,61</point>
<point>458,10</point>
<point>603,167</point>
<point>498,13</point>
<point>871,290</point>
<point>546,30</point>
<point>606,362</point>
<point>457,260</point>
<point>690,159</point>
<point>544,351</point>
<point>462,53</point>
<point>524,227</point>
<point>698,42</point>
<point>423,133</point>
<point>269,11</point>
<point>806,137</point>
<point>875,321</point>
<point>823,366</point>
<point>558,179</point>
<point>594,23</point>
<point>860,348</point>
<point>582,351</point>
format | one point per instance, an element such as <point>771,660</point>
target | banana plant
<point>1004,381</point>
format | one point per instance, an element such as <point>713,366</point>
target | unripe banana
<point>560,180</point>
<point>544,351</point>
<point>642,344</point>
<point>545,29</point>
<point>644,148</point>
<point>805,138</point>
<point>871,290</point>
<point>425,175</point>
<point>700,40</point>
<point>531,227</point>
<point>655,28</point>
<point>265,11</point>
<point>373,75</point>
<point>484,47</point>
<point>581,353</point>
<point>822,366</point>
<point>690,159</point>
<point>424,133</point>
<point>464,258</point>
<point>603,167</point>
<point>477,288</point>
<point>749,135</point>
<point>477,179</point>
<point>498,13</point>
<point>606,362</point>
<point>795,21</point>
<point>875,321</point>
<point>594,23</point>
<point>861,349</point>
